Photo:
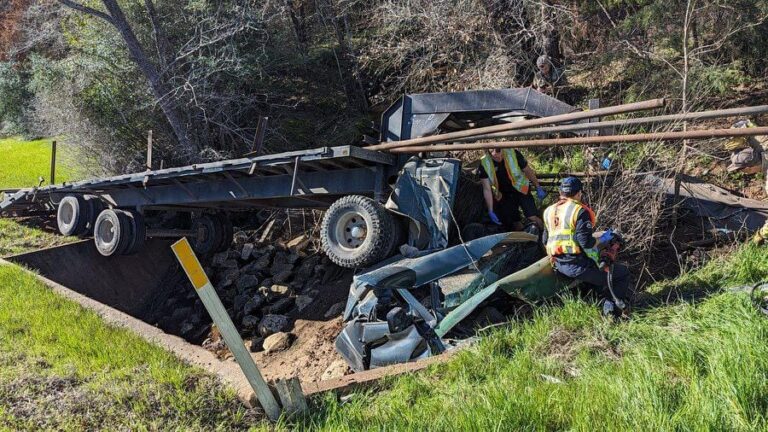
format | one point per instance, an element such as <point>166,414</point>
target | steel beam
<point>352,181</point>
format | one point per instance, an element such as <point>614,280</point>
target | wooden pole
<point>149,150</point>
<point>524,124</point>
<point>191,265</point>
<point>53,163</point>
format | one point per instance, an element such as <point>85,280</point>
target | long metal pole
<point>559,142</point>
<point>702,115</point>
<point>524,124</point>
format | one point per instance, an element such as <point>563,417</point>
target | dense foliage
<point>321,69</point>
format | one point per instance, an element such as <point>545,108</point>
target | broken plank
<point>349,383</point>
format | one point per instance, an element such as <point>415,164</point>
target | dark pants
<point>598,279</point>
<point>508,209</point>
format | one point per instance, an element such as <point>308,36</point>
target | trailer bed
<point>307,178</point>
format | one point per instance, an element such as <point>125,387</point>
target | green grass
<point>16,238</point>
<point>700,364</point>
<point>22,162</point>
<point>62,368</point>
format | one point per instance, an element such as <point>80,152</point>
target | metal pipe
<point>702,115</point>
<point>559,142</point>
<point>524,124</point>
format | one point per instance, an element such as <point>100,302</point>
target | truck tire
<point>356,232</point>
<point>93,207</point>
<point>113,232</point>
<point>71,216</point>
<point>209,232</point>
<point>139,232</point>
<point>227,232</point>
<point>399,235</point>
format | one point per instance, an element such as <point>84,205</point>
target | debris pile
<point>264,288</point>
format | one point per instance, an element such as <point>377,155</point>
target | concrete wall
<point>126,283</point>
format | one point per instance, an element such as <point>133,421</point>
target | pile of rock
<point>260,284</point>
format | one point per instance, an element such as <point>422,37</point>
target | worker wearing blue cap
<point>571,244</point>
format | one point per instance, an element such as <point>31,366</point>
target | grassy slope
<point>61,367</point>
<point>693,365</point>
<point>22,162</point>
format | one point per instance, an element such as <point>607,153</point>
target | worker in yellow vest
<point>749,155</point>
<point>507,181</point>
<point>572,247</point>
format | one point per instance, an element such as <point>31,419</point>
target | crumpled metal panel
<point>415,272</point>
<point>399,349</point>
<point>536,282</point>
<point>424,193</point>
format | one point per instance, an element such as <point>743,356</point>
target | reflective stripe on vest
<point>516,175</point>
<point>560,220</point>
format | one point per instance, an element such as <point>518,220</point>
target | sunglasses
<point>495,150</point>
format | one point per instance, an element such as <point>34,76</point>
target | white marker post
<point>207,293</point>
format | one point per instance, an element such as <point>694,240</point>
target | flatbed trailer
<point>307,178</point>
<point>121,212</point>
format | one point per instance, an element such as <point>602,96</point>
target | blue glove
<point>607,164</point>
<point>541,193</point>
<point>607,236</point>
<point>494,218</point>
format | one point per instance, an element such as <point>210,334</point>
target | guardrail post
<point>215,308</point>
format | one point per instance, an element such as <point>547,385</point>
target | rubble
<point>337,369</point>
<point>272,324</point>
<point>335,310</point>
<point>280,306</point>
<point>247,281</point>
<point>257,344</point>
<point>246,251</point>
<point>251,321</point>
<point>302,301</point>
<point>277,342</point>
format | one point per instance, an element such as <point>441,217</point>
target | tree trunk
<point>117,18</point>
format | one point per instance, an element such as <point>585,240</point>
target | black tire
<point>209,233</point>
<point>227,232</point>
<point>113,232</point>
<point>399,235</point>
<point>93,207</point>
<point>71,215</point>
<point>139,233</point>
<point>356,232</point>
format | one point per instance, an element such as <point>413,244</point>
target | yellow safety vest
<point>560,220</point>
<point>516,175</point>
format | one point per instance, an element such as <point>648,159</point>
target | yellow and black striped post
<point>207,293</point>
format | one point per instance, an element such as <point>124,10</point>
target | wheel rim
<point>105,233</point>
<point>351,231</point>
<point>67,213</point>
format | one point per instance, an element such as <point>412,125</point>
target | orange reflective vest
<point>516,175</point>
<point>560,220</point>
